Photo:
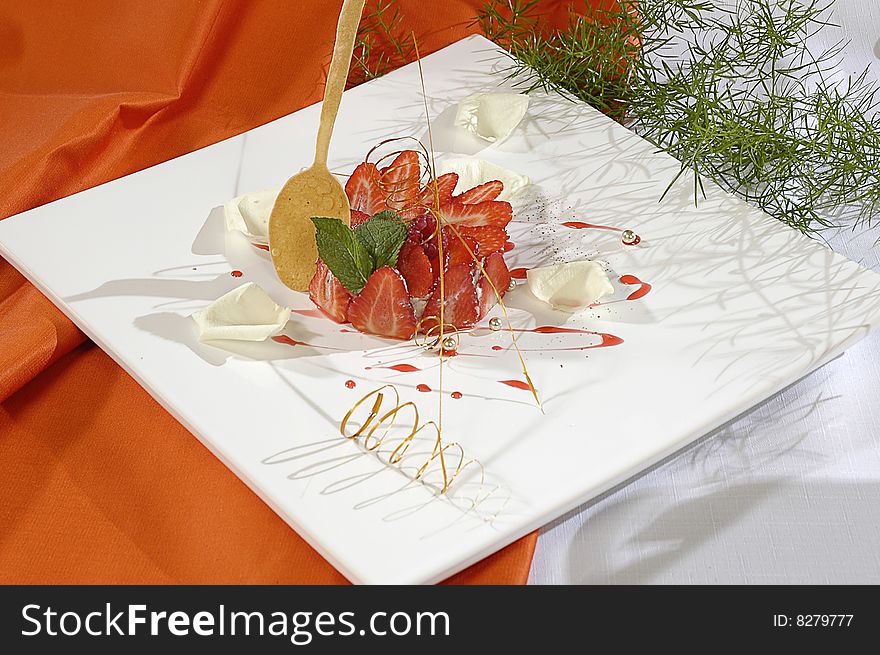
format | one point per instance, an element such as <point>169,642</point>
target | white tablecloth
<point>788,493</point>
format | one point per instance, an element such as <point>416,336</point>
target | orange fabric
<point>100,484</point>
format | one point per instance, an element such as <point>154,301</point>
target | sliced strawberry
<point>445,186</point>
<point>358,217</point>
<point>487,237</point>
<point>483,193</point>
<point>412,212</point>
<point>415,267</point>
<point>364,190</point>
<point>329,295</point>
<point>463,249</point>
<point>493,212</point>
<point>496,270</point>
<point>461,306</point>
<point>400,181</point>
<point>383,307</point>
<point>433,253</point>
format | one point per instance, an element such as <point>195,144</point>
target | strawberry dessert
<point>383,274</point>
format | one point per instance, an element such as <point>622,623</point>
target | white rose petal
<point>244,314</point>
<point>570,286</point>
<point>492,116</point>
<point>474,172</point>
<point>249,214</point>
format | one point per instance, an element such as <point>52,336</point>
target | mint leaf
<point>343,253</point>
<point>353,255</point>
<point>382,235</point>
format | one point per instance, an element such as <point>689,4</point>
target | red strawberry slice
<point>364,190</point>
<point>487,237</point>
<point>415,267</point>
<point>461,307</point>
<point>358,217</point>
<point>483,193</point>
<point>433,253</point>
<point>462,249</point>
<point>400,181</point>
<point>329,295</point>
<point>496,270</point>
<point>445,186</point>
<point>493,212</point>
<point>383,307</point>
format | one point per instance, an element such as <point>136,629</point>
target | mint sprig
<point>353,255</point>
<point>383,235</point>
<point>343,253</point>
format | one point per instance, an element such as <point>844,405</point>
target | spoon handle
<point>346,31</point>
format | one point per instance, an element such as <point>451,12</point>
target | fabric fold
<point>33,332</point>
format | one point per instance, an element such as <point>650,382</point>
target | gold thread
<point>381,418</point>
<point>519,354</point>
<point>423,337</point>
<point>432,168</point>
<point>376,419</point>
<point>396,193</point>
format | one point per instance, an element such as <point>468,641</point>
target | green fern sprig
<point>736,95</point>
<point>381,44</point>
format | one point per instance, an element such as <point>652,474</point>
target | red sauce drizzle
<point>519,273</point>
<point>516,384</point>
<point>456,394</point>
<point>261,246</point>
<point>314,313</point>
<point>350,384</point>
<point>641,292</point>
<point>608,340</point>
<point>287,341</point>
<point>579,225</point>
<point>553,329</point>
<point>236,273</point>
<point>497,347</point>
<point>400,368</point>
<point>424,388</point>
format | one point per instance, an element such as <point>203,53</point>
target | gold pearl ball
<point>630,238</point>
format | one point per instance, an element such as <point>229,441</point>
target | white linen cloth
<point>787,493</point>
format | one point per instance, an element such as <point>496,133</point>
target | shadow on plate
<point>182,290</point>
<point>337,466</point>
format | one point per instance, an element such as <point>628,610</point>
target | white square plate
<point>741,306</point>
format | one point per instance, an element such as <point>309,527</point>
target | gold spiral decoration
<point>430,333</point>
<point>379,422</point>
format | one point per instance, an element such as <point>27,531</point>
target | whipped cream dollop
<point>570,286</point>
<point>249,214</point>
<point>474,172</point>
<point>244,314</point>
<point>492,116</point>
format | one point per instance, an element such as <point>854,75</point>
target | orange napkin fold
<point>100,484</point>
